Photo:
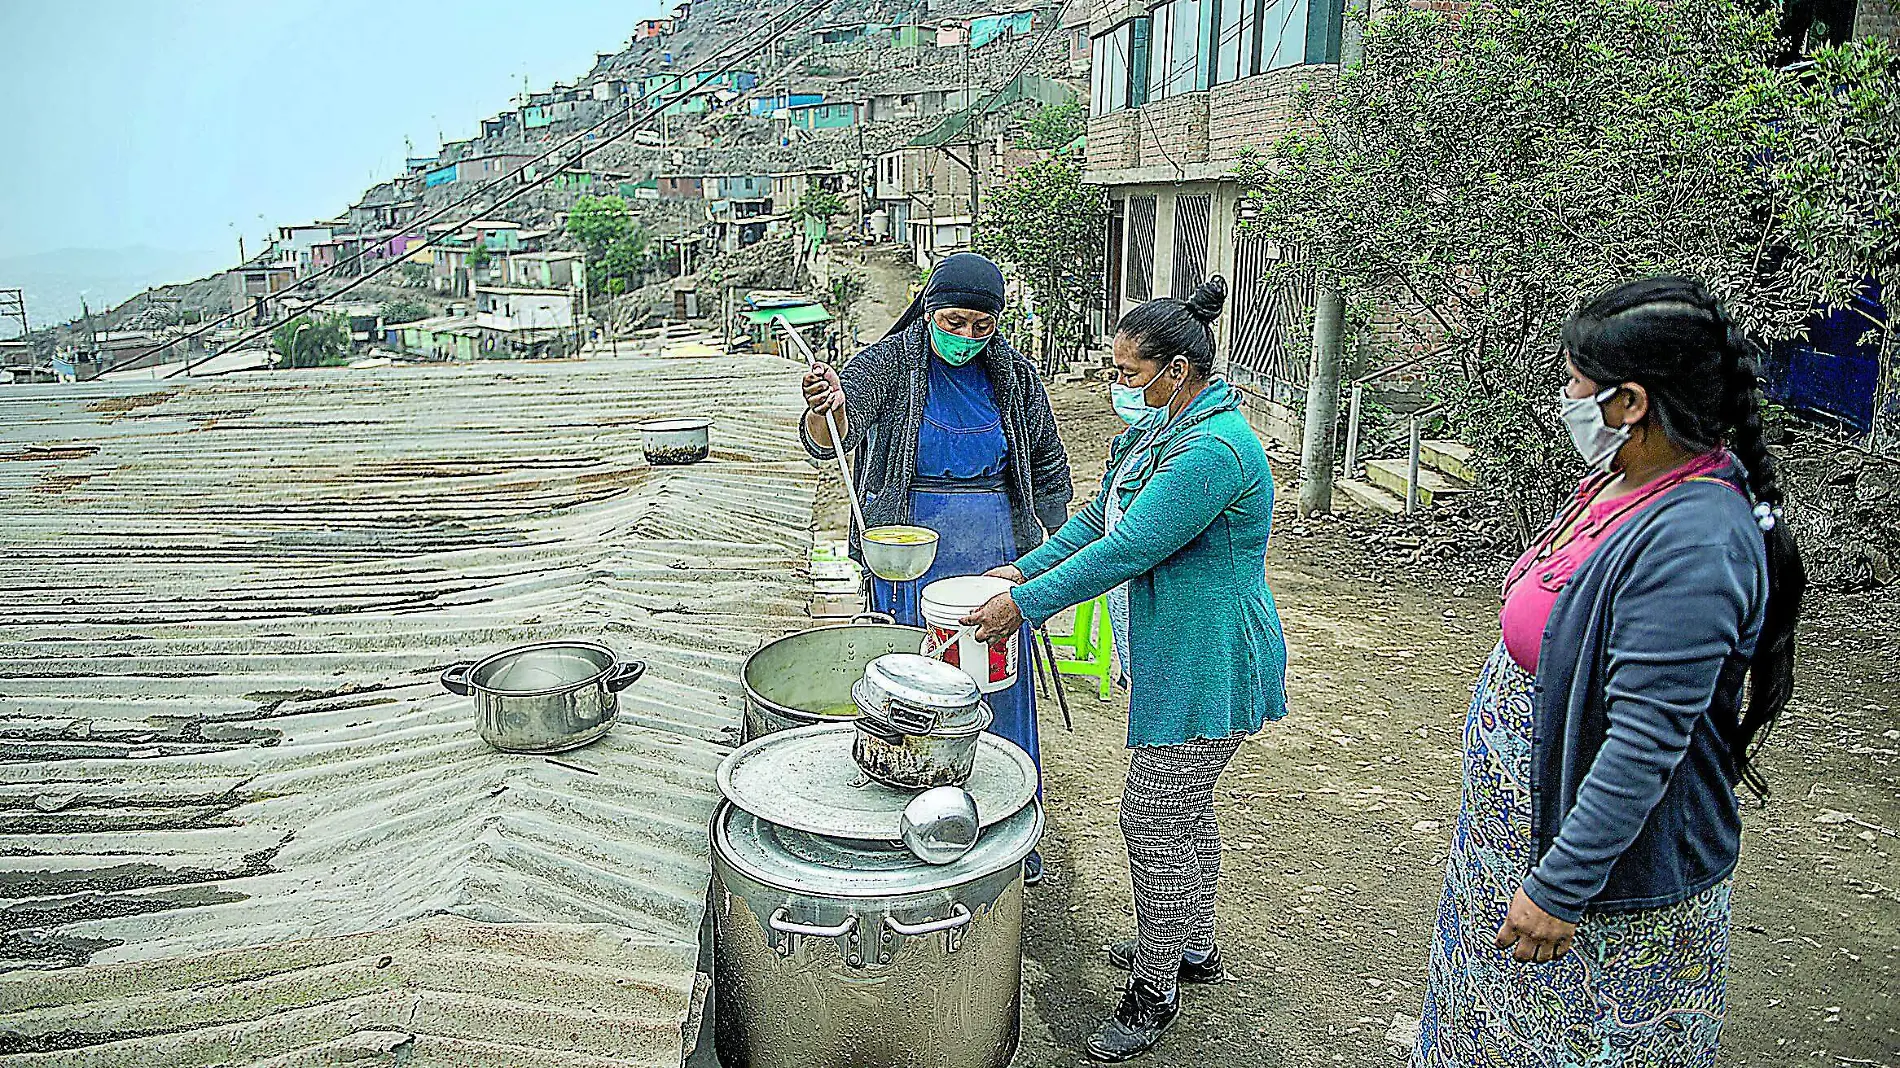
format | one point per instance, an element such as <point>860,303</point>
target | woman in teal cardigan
<point>1178,540</point>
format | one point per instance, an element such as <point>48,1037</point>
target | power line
<point>485,188</point>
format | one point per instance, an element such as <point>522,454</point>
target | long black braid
<point>1702,373</point>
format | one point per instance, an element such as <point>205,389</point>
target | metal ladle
<point>890,562</point>
<point>940,825</point>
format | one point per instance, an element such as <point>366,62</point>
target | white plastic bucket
<point>946,601</point>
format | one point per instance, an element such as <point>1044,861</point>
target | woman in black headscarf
<point>952,430</point>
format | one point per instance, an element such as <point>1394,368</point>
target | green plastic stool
<point>1093,644</point>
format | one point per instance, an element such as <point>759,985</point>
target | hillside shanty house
<point>841,35</point>
<point>509,309</point>
<point>544,270</point>
<point>838,115</point>
<point>682,186</point>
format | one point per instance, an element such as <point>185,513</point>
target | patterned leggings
<point>1173,851</point>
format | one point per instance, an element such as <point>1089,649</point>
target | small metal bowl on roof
<point>672,442</point>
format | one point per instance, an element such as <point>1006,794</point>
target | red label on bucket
<point>946,649</point>
<point>1000,667</point>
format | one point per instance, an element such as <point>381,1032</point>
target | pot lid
<point>921,682</point>
<point>806,779</point>
<point>542,668</point>
<point>793,860</point>
<point>872,704</point>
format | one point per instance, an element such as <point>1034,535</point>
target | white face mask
<point>1131,402</point>
<point>1596,441</point>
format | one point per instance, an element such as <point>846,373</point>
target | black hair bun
<point>1206,300</point>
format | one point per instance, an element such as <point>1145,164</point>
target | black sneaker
<point>1122,955</point>
<point>1032,869</point>
<point>1137,1024</point>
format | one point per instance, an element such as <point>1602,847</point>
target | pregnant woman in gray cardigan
<point>1648,645</point>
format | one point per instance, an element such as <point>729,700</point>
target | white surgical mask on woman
<point>1131,402</point>
<point>1596,441</point>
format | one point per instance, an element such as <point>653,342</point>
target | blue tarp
<point>1836,371</point>
<point>989,27</point>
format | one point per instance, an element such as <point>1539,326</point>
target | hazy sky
<point>169,122</point>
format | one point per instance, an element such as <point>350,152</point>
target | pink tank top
<point>1531,590</point>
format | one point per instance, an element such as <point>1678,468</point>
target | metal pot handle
<point>875,617</point>
<point>455,678</point>
<point>877,728</point>
<point>959,917</point>
<point>624,674</point>
<point>780,923</point>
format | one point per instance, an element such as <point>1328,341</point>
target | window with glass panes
<point>1196,44</point>
<point>1119,74</point>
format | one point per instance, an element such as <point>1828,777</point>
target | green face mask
<point>955,349</point>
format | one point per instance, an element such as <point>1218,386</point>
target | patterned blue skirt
<point>1642,988</point>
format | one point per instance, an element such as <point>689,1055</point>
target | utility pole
<point>976,158</point>
<point>863,169</point>
<point>1329,328</point>
<point>13,306</point>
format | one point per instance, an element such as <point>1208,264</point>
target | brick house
<point>1178,89</point>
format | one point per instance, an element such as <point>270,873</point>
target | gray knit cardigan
<point>885,388</point>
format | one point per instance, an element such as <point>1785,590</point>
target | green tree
<point>597,222</point>
<point>478,256</point>
<point>615,245</point>
<point>1055,126</point>
<point>625,261</point>
<point>1482,175</point>
<point>312,341</point>
<point>404,311</point>
<point>820,204</point>
<point>1046,226</point>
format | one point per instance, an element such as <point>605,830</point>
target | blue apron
<point>958,492</point>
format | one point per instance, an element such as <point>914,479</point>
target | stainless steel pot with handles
<point>834,953</point>
<point>548,697</point>
<point>806,677</point>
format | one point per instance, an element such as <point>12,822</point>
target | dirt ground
<point>1337,818</point>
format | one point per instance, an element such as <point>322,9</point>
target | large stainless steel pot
<point>544,698</point>
<point>832,953</point>
<point>806,678</point>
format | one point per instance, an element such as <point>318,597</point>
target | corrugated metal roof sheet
<point>240,821</point>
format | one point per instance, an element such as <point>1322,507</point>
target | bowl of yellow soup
<point>899,553</point>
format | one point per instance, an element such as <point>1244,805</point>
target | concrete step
<point>1449,458</point>
<point>1433,486</point>
<point>1365,497</point>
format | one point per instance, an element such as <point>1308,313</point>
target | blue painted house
<point>838,115</point>
<point>765,106</point>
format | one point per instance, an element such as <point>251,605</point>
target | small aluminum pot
<point>677,441</point>
<point>544,698</point>
<point>909,761</point>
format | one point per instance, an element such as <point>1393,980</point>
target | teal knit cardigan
<point>1209,658</point>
